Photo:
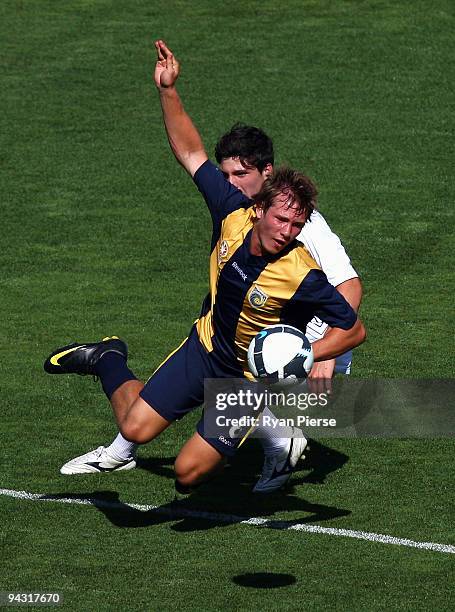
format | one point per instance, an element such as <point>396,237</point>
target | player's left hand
<point>320,377</point>
<point>167,67</point>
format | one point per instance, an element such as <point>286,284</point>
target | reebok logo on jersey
<point>238,269</point>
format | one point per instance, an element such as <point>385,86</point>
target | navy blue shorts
<point>177,386</point>
<point>343,363</point>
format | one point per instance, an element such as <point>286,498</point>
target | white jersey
<point>326,249</point>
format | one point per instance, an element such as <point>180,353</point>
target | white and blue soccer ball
<point>280,353</point>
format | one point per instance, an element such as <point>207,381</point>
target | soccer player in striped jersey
<point>265,243</point>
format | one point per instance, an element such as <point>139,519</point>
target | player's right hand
<point>167,67</point>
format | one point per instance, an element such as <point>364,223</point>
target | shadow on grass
<point>264,580</point>
<point>161,466</point>
<point>228,498</point>
<point>321,460</point>
<point>201,512</point>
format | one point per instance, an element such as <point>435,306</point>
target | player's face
<point>277,227</point>
<point>247,179</point>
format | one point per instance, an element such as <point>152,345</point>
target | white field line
<point>174,512</point>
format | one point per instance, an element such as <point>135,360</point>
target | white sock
<point>121,449</point>
<point>273,439</point>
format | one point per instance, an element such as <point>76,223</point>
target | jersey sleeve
<point>221,197</point>
<point>327,250</point>
<point>316,297</point>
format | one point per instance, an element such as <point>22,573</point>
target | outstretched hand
<point>167,68</point>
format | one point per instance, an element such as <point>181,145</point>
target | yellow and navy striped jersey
<point>249,292</point>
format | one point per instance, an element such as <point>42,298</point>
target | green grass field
<point>102,233</point>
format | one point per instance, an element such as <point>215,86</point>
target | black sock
<point>113,371</point>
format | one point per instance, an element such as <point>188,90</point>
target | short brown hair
<point>301,190</point>
<point>250,144</point>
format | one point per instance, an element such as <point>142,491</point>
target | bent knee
<point>134,432</point>
<point>142,423</point>
<point>188,473</point>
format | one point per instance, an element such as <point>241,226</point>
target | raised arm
<point>185,141</point>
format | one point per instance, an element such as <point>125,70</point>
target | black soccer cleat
<point>82,358</point>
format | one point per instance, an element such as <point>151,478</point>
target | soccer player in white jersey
<point>245,156</point>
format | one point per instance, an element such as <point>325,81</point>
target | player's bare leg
<point>124,397</point>
<point>140,423</point>
<point>197,462</point>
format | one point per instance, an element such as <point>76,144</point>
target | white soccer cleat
<point>96,461</point>
<point>277,469</point>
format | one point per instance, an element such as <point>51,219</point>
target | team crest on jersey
<point>222,253</point>
<point>257,298</point>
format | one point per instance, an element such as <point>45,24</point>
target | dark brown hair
<point>250,144</point>
<point>300,189</point>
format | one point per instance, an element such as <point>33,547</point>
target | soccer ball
<point>280,353</point>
